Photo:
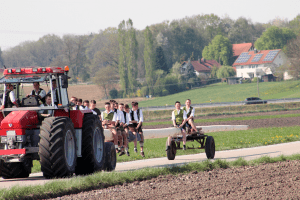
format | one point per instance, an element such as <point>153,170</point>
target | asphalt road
<point>246,153</point>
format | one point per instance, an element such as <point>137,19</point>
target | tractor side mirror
<point>64,81</point>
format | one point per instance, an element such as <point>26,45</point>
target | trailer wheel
<point>171,153</point>
<point>210,147</point>
<point>110,157</point>
<point>92,146</point>
<point>57,147</point>
<point>16,170</point>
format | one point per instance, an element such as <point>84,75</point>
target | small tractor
<point>67,142</point>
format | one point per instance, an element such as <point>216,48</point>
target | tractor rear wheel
<point>92,146</point>
<point>16,169</point>
<point>171,153</point>
<point>110,157</point>
<point>210,147</point>
<point>57,147</point>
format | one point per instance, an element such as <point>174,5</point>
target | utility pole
<point>257,84</point>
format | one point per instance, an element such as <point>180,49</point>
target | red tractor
<point>67,142</point>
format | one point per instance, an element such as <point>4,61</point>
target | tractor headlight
<point>3,139</point>
<point>9,70</point>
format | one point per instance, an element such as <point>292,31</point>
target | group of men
<point>182,118</point>
<point>122,122</point>
<point>85,105</point>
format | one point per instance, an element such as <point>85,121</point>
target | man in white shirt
<point>179,119</point>
<point>190,112</point>
<point>108,122</point>
<point>37,91</point>
<point>48,103</point>
<point>136,121</point>
<point>9,97</point>
<point>124,122</point>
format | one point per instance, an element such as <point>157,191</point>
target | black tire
<point>210,147</point>
<point>110,157</point>
<point>171,153</point>
<point>16,169</point>
<point>93,149</point>
<point>57,147</point>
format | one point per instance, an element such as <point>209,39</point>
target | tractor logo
<point>10,125</point>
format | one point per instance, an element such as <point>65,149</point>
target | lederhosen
<point>188,115</point>
<point>179,118</point>
<point>8,103</point>
<point>134,125</point>
<point>40,90</point>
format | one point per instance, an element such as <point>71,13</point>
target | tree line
<point>144,60</point>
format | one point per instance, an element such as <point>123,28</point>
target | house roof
<point>240,48</point>
<point>203,65</point>
<point>252,54</point>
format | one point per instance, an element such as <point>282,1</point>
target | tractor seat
<point>30,102</point>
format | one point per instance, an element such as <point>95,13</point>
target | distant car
<point>254,100</point>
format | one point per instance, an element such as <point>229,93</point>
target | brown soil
<point>259,123</point>
<point>267,181</point>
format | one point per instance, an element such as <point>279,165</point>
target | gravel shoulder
<point>265,181</point>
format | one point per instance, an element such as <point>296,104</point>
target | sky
<point>28,20</point>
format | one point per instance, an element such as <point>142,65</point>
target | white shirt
<point>178,111</point>
<point>120,116</point>
<point>192,113</point>
<point>135,117</point>
<point>42,93</point>
<point>114,117</point>
<point>11,96</point>
<point>49,111</point>
<point>123,118</point>
<point>80,108</point>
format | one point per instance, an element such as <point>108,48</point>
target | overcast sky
<point>23,20</point>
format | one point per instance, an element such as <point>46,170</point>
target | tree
<point>295,24</point>
<point>160,61</point>
<point>106,78</point>
<point>220,49</point>
<point>213,73</point>
<point>1,59</point>
<point>293,53</point>
<point>225,71</point>
<point>149,59</point>
<point>131,54</point>
<point>274,38</point>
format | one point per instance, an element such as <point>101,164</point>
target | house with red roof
<point>237,49</point>
<point>259,63</point>
<point>202,67</point>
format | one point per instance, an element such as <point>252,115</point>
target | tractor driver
<point>108,122</point>
<point>9,97</point>
<point>179,119</point>
<point>37,91</point>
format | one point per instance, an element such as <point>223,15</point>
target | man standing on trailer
<point>109,120</point>
<point>190,112</point>
<point>136,121</point>
<point>96,110</point>
<point>179,119</point>
<point>37,91</point>
<point>124,122</point>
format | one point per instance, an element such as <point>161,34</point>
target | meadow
<point>223,92</point>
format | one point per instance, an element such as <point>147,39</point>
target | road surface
<point>230,155</point>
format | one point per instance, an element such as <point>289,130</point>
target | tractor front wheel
<point>92,159</point>
<point>16,169</point>
<point>57,147</point>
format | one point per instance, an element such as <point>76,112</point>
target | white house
<point>258,63</point>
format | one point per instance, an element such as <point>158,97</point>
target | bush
<point>144,91</point>
<point>255,79</point>
<point>113,93</point>
<point>247,80</point>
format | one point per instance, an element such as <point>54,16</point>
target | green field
<point>222,92</point>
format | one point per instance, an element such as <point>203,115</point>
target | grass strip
<point>228,119</point>
<point>155,148</point>
<point>103,179</point>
